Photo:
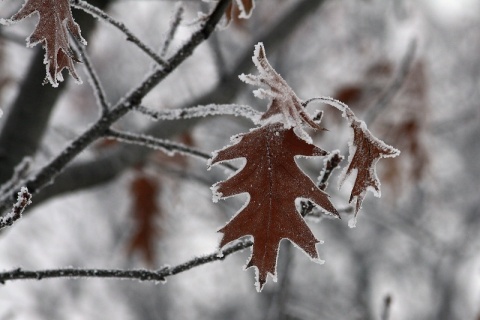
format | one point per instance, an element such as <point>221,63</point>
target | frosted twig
<point>23,200</point>
<point>330,164</point>
<point>397,83</point>
<point>202,111</point>
<point>19,173</point>
<point>96,12</point>
<point>177,18</point>
<point>98,129</point>
<point>318,214</point>
<point>169,147</point>
<point>135,274</point>
<point>94,80</point>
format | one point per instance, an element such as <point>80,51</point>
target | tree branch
<point>203,111</point>
<point>98,129</point>
<point>135,274</point>
<point>98,13</point>
<point>169,147</point>
<point>23,200</point>
<point>104,169</point>
<point>94,80</point>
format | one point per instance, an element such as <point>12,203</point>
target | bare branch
<point>99,128</point>
<point>330,164</point>
<point>136,274</point>
<point>96,12</point>
<point>202,111</point>
<point>19,173</point>
<point>175,23</point>
<point>94,80</point>
<point>169,147</point>
<point>23,200</point>
<point>92,173</point>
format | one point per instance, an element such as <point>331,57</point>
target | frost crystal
<point>285,107</point>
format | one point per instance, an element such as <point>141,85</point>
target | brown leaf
<point>145,211</point>
<point>239,9</point>
<point>52,30</point>
<point>285,106</point>
<point>365,152</point>
<point>274,181</point>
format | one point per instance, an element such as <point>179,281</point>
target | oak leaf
<point>285,106</point>
<point>365,151</point>
<point>273,181</point>
<point>52,31</point>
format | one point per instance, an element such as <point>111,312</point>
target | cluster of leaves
<point>270,175</point>
<point>272,178</point>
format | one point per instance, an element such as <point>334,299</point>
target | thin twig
<point>169,147</point>
<point>202,111</point>
<point>20,172</point>
<point>94,80</point>
<point>135,274</point>
<point>96,12</point>
<point>175,23</point>
<point>386,97</point>
<point>331,163</point>
<point>23,200</point>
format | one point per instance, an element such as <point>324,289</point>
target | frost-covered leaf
<point>273,181</point>
<point>285,107</point>
<point>365,151</point>
<point>239,9</point>
<point>52,31</point>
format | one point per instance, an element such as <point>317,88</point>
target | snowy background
<point>418,245</point>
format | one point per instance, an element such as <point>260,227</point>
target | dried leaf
<point>145,211</point>
<point>285,107</point>
<point>52,30</point>
<point>365,151</point>
<point>239,9</point>
<point>273,181</point>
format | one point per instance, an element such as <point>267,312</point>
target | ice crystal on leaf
<point>285,107</point>
<point>52,31</point>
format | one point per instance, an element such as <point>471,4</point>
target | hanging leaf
<point>273,181</point>
<point>365,151</point>
<point>52,31</point>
